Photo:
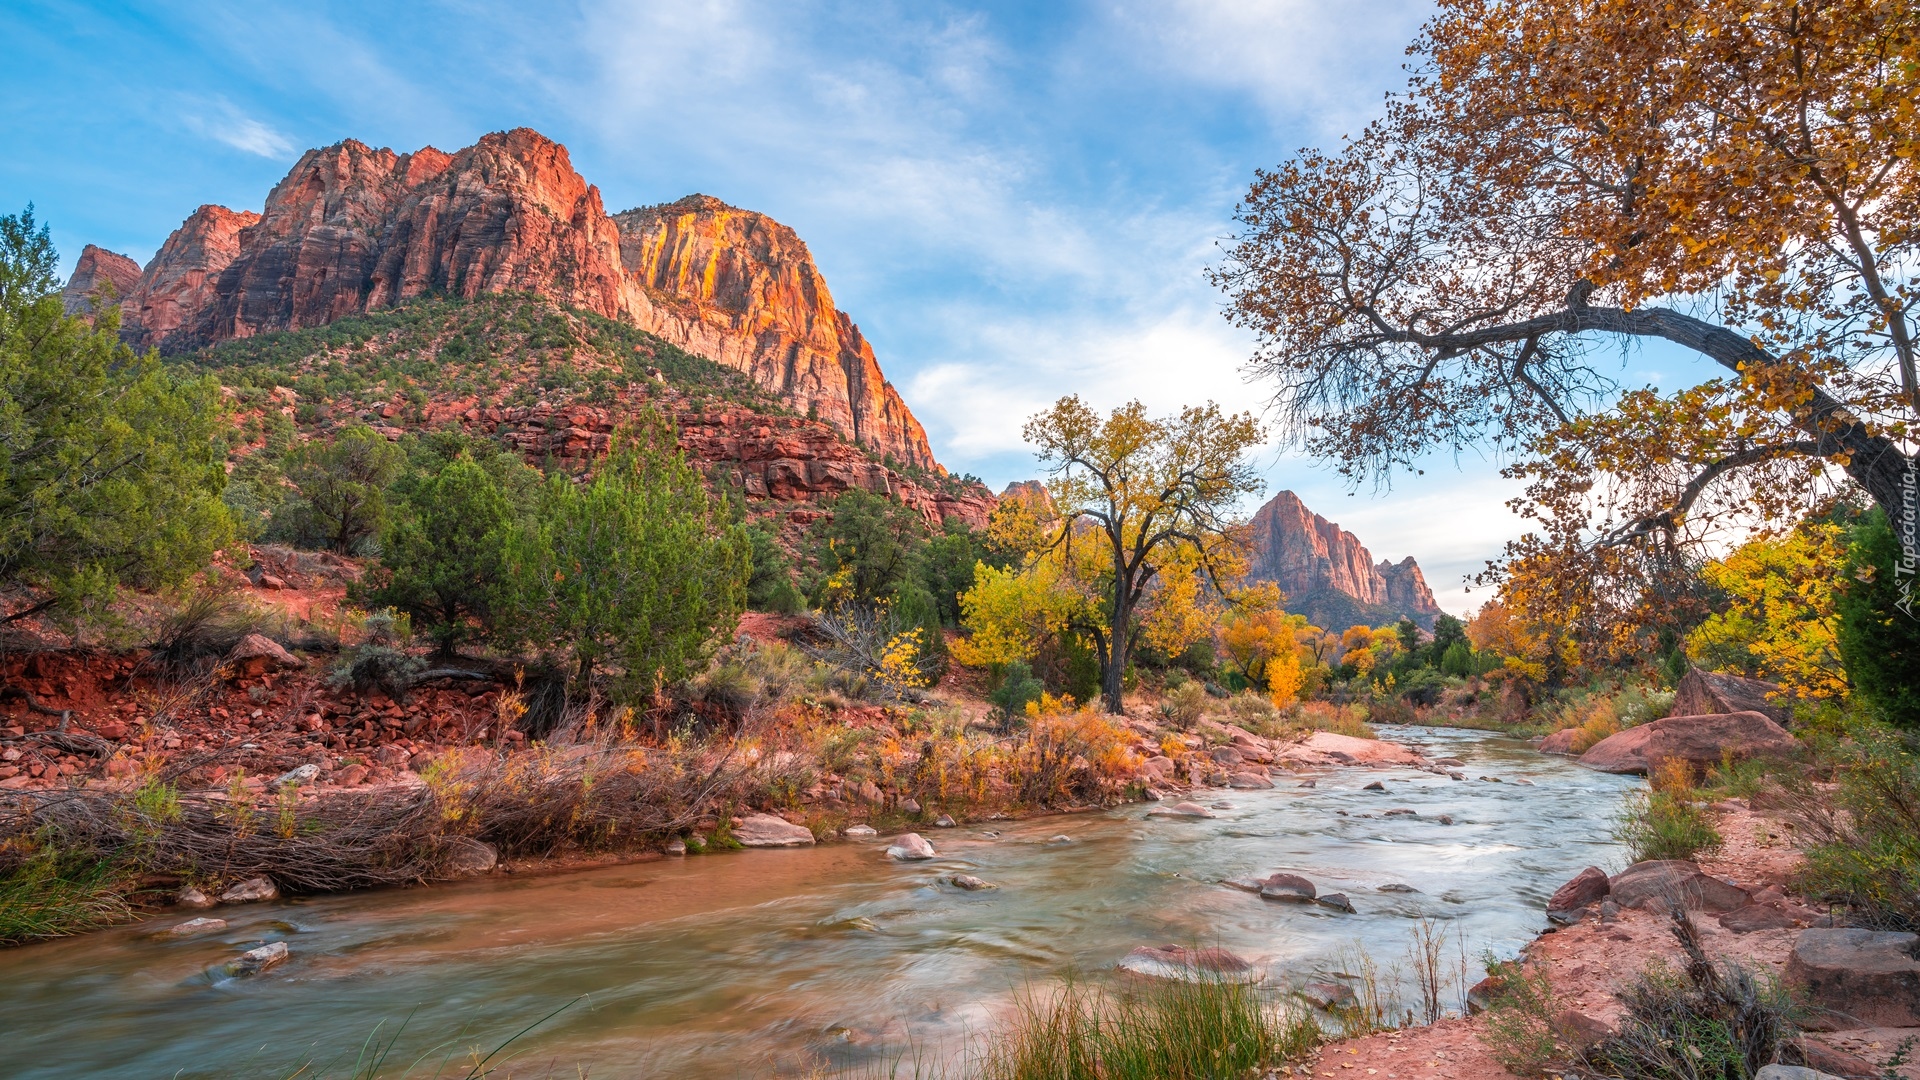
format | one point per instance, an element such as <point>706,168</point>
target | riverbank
<point>832,955</point>
<point>1587,964</point>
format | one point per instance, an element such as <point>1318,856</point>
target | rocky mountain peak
<point>354,228</point>
<point>97,267</point>
<point>1328,574</point>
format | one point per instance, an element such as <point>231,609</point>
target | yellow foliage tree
<point>1144,538</point>
<point>1779,620</point>
<point>1285,677</point>
<point>1010,613</point>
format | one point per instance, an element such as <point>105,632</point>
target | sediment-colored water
<point>763,962</point>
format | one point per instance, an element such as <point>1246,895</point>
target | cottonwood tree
<point>1735,177</point>
<point>1144,503</point>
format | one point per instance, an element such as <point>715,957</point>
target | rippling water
<point>768,961</point>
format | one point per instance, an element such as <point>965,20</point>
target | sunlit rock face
<point>353,228</point>
<point>1328,575</point>
<point>98,267</point>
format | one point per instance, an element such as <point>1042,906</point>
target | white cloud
<point>221,121</point>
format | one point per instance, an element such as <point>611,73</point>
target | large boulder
<point>1588,886</point>
<point>1560,742</point>
<point>1701,741</point>
<point>1703,693</point>
<point>765,830</point>
<point>1652,885</point>
<point>1859,978</point>
<point>910,847</point>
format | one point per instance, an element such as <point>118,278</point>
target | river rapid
<point>786,962</point>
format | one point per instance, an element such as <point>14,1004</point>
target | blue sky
<point>1015,201</point>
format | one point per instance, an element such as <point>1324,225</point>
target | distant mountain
<point>353,230</point>
<point>1328,575</point>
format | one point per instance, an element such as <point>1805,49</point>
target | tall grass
<point>53,893</point>
<point>1206,1030</point>
<point>453,1059</point>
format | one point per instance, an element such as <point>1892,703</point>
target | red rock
<point>257,655</point>
<point>1858,978</point>
<point>1652,885</point>
<point>1699,740</point>
<point>183,279</point>
<point>1310,558</point>
<point>1753,917</point>
<point>352,228</point>
<point>98,267</point>
<point>1560,742</point>
<point>1587,887</point>
<point>1179,962</point>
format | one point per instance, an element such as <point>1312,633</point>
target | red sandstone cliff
<point>352,228</point>
<point>742,289</point>
<point>1315,561</point>
<point>98,267</point>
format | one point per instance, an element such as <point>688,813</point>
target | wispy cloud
<point>222,122</point>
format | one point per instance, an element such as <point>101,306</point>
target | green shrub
<point>1666,825</point>
<point>1862,837</point>
<point>1017,687</point>
<point>1520,1027</point>
<point>1706,1021</point>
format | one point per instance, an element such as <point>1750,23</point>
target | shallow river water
<point>763,962</point>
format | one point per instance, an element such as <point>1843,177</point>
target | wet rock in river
<point>252,890</point>
<point>464,856</point>
<point>1328,995</point>
<point>193,927</point>
<point>676,846</point>
<point>255,961</point>
<point>1336,901</point>
<point>861,832</point>
<point>191,897</point>
<point>1398,812</point>
<point>971,883</point>
<point>1449,762</point>
<point>944,821</point>
<point>1375,786</point>
<point>1289,888</point>
<point>1249,781</point>
<point>909,847</point>
<point>1180,809</point>
<point>1189,965</point>
<point>1397,887</point>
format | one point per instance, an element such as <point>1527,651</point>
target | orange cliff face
<point>1311,559</point>
<point>352,228</point>
<point>742,289</point>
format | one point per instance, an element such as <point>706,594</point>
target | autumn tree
<point>1734,177</point>
<point>1144,503</point>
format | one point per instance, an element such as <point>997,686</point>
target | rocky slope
<point>553,383</point>
<point>1328,575</point>
<point>353,229</point>
<point>98,267</point>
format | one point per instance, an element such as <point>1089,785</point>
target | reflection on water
<point>751,963</point>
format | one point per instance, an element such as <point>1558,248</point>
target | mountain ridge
<point>353,229</point>
<point>1328,574</point>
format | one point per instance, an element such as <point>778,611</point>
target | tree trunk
<point>1111,688</point>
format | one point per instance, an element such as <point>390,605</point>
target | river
<point>761,962</point>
